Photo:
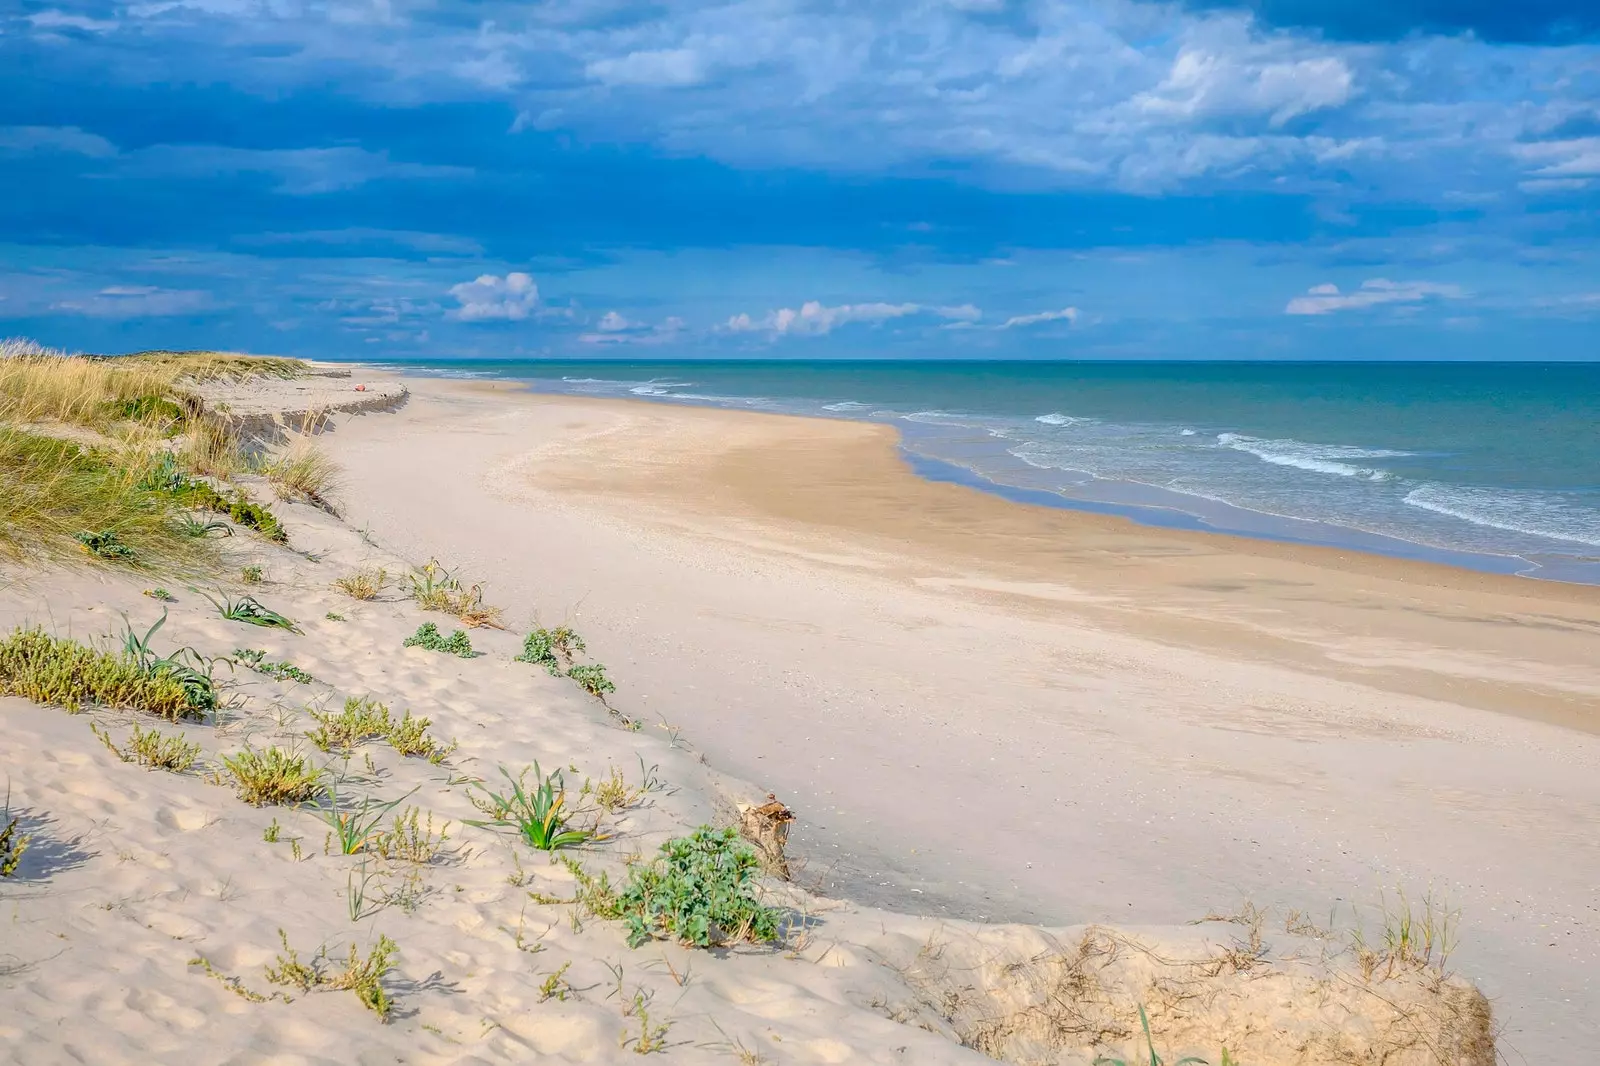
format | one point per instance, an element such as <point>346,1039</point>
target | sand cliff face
<point>147,918</point>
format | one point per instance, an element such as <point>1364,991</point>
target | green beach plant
<point>553,649</point>
<point>364,977</point>
<point>699,890</point>
<point>355,828</point>
<point>152,750</point>
<point>62,672</point>
<point>428,636</point>
<point>13,842</point>
<point>248,609</point>
<point>274,776</point>
<point>591,677</point>
<point>538,815</point>
<point>256,660</point>
<point>104,545</point>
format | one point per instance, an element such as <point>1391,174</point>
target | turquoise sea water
<point>1489,465</point>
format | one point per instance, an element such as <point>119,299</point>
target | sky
<point>388,179</point>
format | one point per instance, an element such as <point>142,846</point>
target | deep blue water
<point>1495,465</point>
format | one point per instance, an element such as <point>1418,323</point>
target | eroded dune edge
<point>386,911</point>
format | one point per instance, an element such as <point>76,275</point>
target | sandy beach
<point>1005,712</point>
<point>1047,770</point>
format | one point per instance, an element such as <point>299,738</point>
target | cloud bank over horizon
<point>972,178</point>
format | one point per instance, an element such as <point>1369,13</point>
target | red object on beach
<point>361,388</point>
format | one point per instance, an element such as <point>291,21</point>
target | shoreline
<point>1142,503</point>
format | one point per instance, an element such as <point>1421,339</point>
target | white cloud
<point>68,139</point>
<point>1069,314</point>
<point>136,301</point>
<point>488,297</point>
<point>1327,299</point>
<point>613,328</point>
<point>1204,82</point>
<point>814,319</point>
<point>666,67</point>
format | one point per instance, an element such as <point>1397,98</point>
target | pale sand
<point>992,710</point>
<point>971,738</point>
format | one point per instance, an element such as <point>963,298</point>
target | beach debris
<point>767,827</point>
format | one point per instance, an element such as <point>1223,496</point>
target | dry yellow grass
<point>39,384</point>
<point>299,469</point>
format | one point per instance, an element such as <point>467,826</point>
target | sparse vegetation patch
<point>152,750</point>
<point>62,672</point>
<point>428,636</point>
<point>364,584</point>
<point>273,776</point>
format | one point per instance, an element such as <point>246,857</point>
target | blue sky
<point>966,178</point>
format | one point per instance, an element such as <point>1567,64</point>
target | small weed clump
<point>161,594</point>
<point>300,470</point>
<point>537,816</point>
<point>612,793</point>
<point>257,661</point>
<point>364,977</point>
<point>410,840</point>
<point>698,890</point>
<point>361,719</point>
<point>104,545</point>
<point>364,584</point>
<point>353,829</point>
<point>428,636</point>
<point>591,677</point>
<point>335,616</point>
<point>53,670</point>
<point>12,842</point>
<point>248,610</point>
<point>436,589</point>
<point>1150,1047</point>
<point>553,649</point>
<point>274,776</point>
<point>152,750</point>
<point>252,575</point>
<point>367,719</point>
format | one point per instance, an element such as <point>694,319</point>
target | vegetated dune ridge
<point>154,916</point>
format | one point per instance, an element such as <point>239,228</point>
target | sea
<point>1492,466</point>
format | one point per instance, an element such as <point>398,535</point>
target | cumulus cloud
<point>488,298</point>
<point>1375,292</point>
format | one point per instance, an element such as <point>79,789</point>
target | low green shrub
<point>591,677</point>
<point>428,636</point>
<point>553,649</point>
<point>104,545</point>
<point>12,842</point>
<point>698,890</point>
<point>256,660</point>
<point>364,977</point>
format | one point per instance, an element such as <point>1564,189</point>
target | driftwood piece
<point>767,827</point>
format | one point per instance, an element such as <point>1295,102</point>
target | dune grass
<point>40,384</point>
<point>298,468</point>
<point>364,584</point>
<point>61,499</point>
<point>64,673</point>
